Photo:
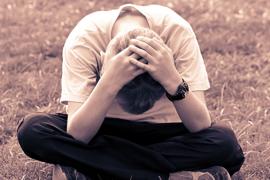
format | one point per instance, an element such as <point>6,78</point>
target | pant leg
<point>119,148</point>
<point>215,146</point>
<point>43,137</point>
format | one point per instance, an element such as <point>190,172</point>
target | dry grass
<point>234,38</point>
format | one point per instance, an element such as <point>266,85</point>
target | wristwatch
<point>181,92</point>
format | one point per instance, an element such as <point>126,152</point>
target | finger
<point>134,55</point>
<point>125,52</point>
<point>143,60</point>
<point>154,43</point>
<point>142,53</point>
<point>132,67</point>
<point>161,43</point>
<point>138,72</point>
<point>143,45</point>
<point>158,40</point>
<point>140,65</point>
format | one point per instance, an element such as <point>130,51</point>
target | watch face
<point>180,93</point>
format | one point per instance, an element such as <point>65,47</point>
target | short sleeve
<point>190,64</point>
<point>180,37</point>
<point>187,55</point>
<point>78,72</point>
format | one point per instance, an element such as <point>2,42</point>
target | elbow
<point>200,128</point>
<point>204,124</point>
<point>77,134</point>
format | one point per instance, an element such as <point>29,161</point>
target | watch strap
<point>181,92</point>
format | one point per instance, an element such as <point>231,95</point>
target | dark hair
<point>141,93</point>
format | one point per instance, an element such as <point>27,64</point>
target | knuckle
<point>131,47</point>
<point>145,54</point>
<point>133,61</point>
<point>143,66</point>
<point>169,49</point>
<point>150,41</point>
<point>146,39</point>
<point>152,70</point>
<point>157,63</point>
<point>126,62</point>
<point>162,51</point>
<point>146,48</point>
<point>159,56</point>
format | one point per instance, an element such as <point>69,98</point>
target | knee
<point>227,145</point>
<point>225,137</point>
<point>28,133</point>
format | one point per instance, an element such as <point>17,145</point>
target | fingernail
<point>139,37</point>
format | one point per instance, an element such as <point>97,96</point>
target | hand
<point>118,70</point>
<point>160,61</point>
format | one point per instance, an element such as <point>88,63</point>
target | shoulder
<point>167,13</point>
<point>165,20</point>
<point>99,18</point>
<point>155,7</point>
<point>90,27</point>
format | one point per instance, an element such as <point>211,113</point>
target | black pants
<point>126,149</point>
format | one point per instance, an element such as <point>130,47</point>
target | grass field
<point>234,37</point>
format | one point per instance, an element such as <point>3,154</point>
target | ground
<point>234,38</point>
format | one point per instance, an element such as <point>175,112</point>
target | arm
<point>84,123</point>
<point>192,111</point>
<point>85,120</point>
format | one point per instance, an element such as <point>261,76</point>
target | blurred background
<point>234,37</point>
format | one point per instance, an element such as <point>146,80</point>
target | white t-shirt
<point>89,39</point>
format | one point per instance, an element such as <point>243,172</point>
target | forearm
<point>86,121</point>
<point>192,111</point>
<point>161,66</point>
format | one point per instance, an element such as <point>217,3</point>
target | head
<point>141,93</point>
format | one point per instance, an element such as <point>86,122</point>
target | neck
<point>129,21</point>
